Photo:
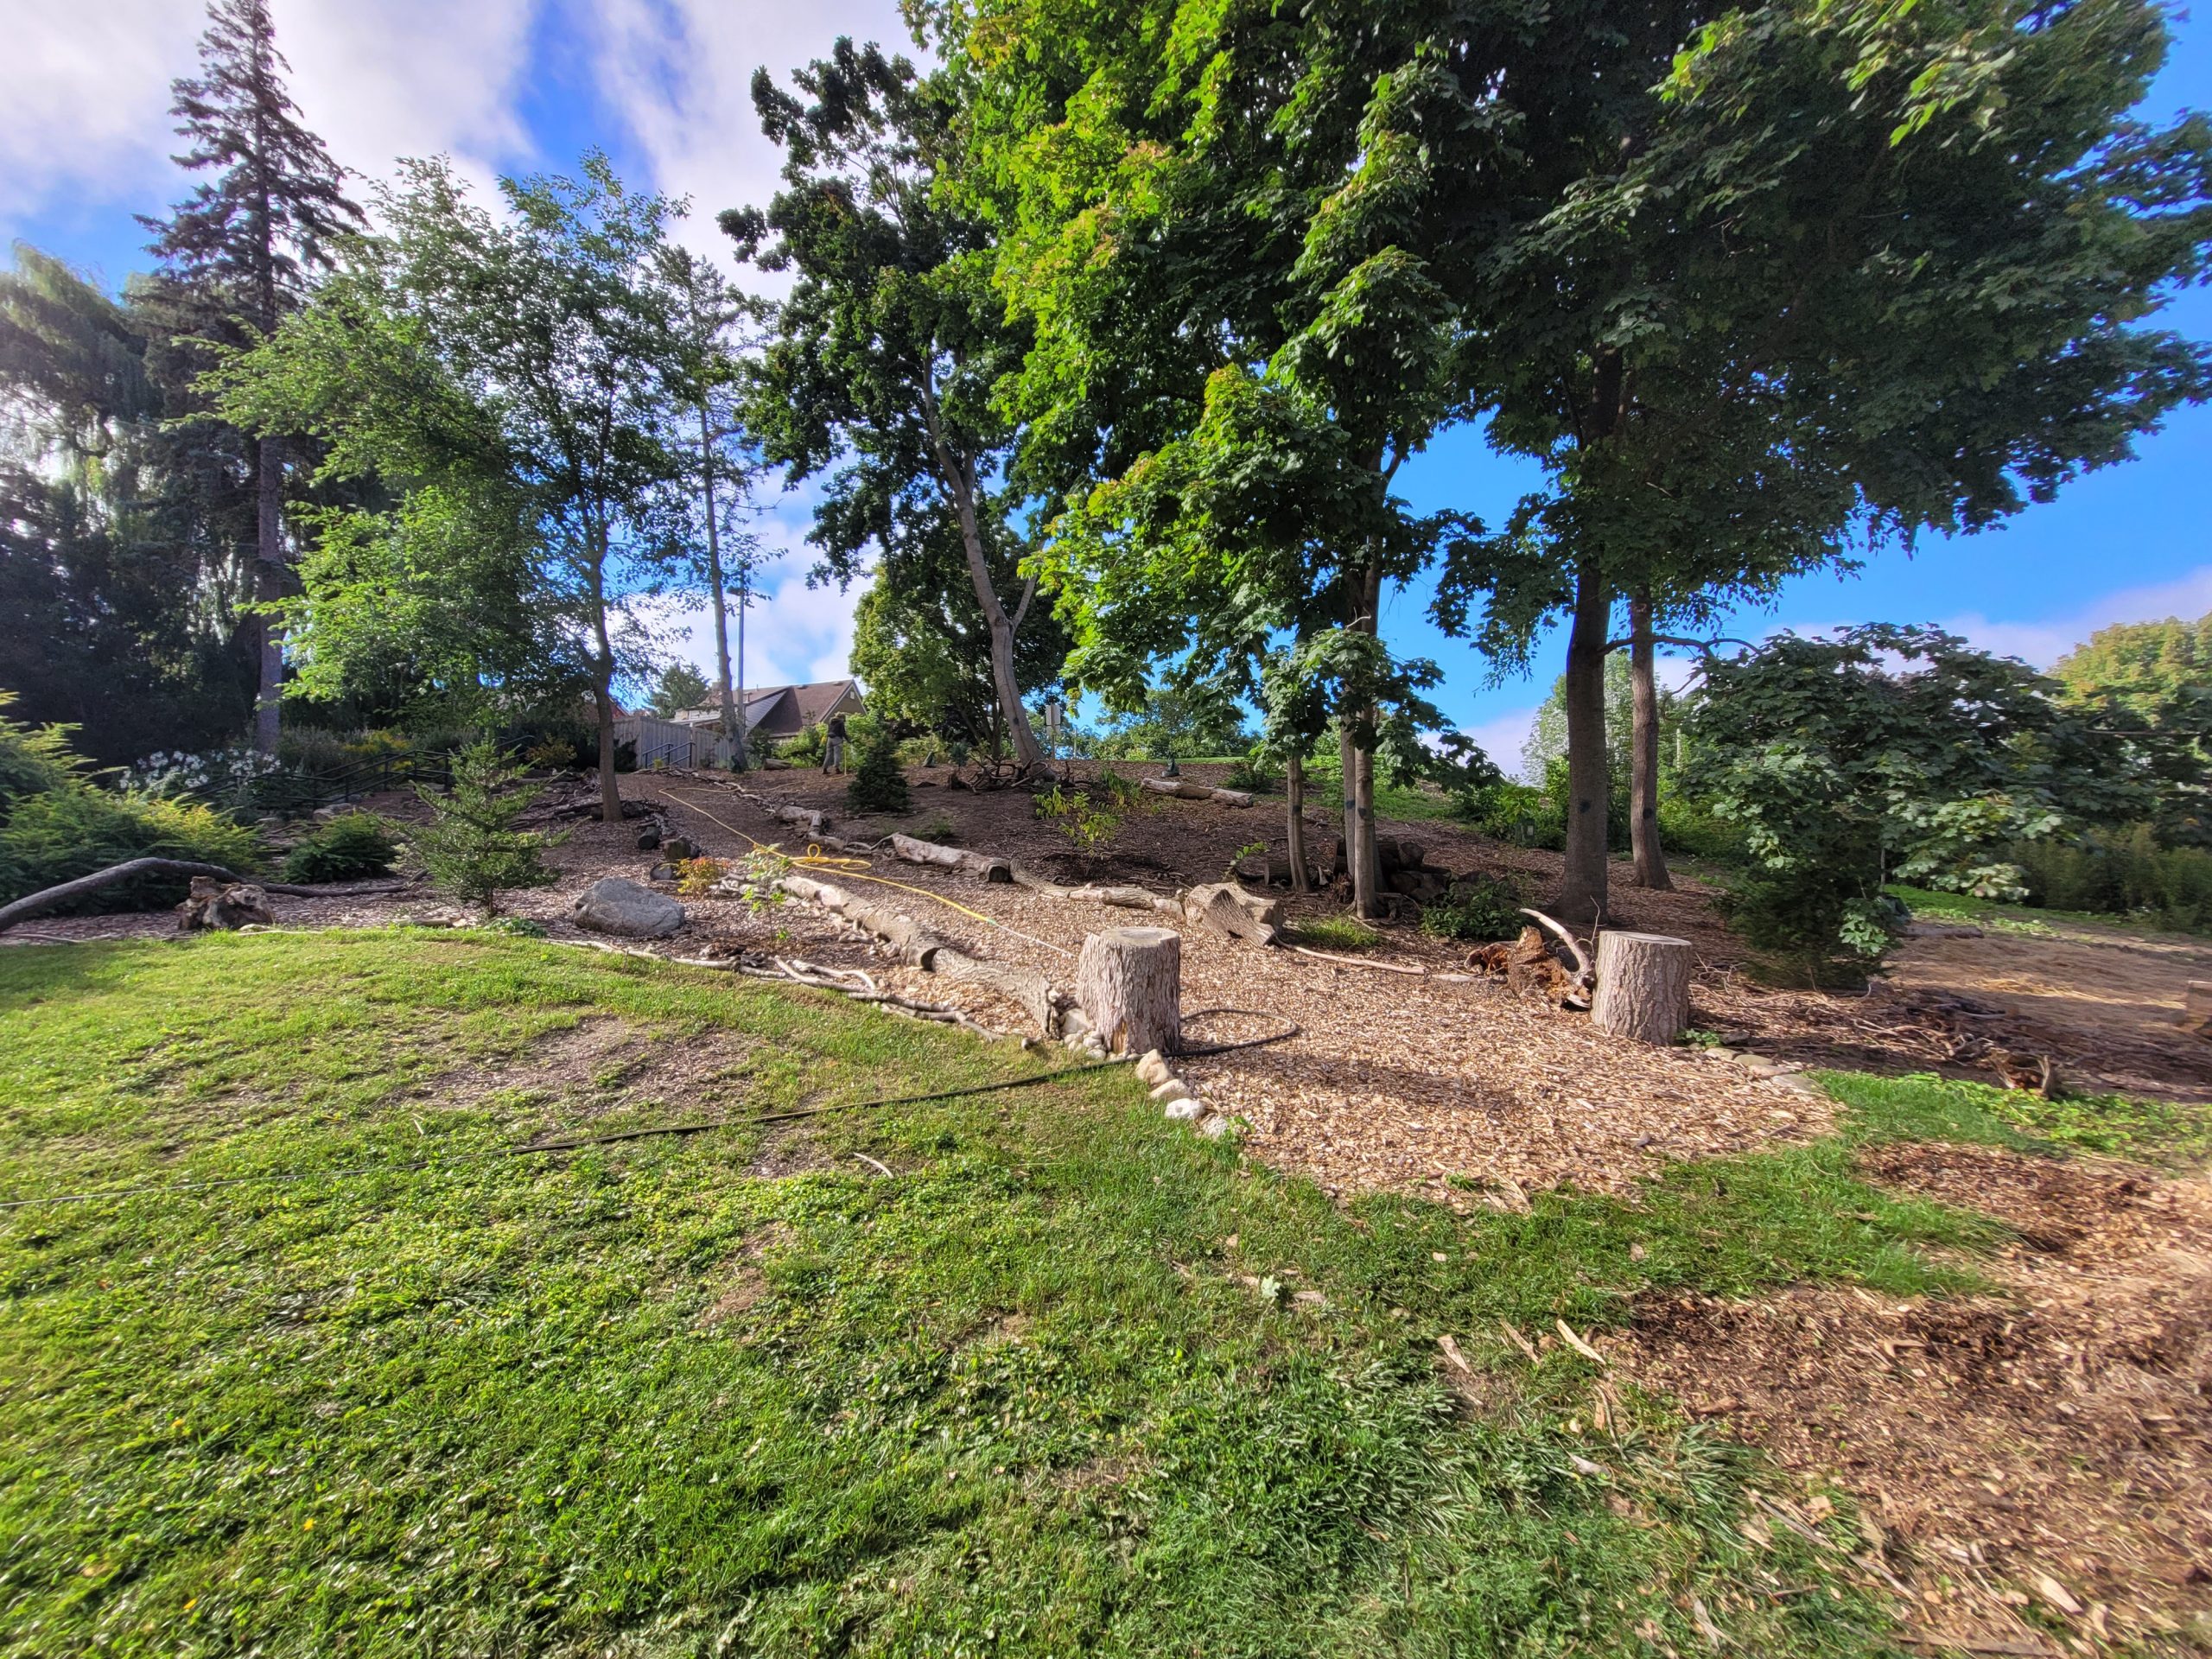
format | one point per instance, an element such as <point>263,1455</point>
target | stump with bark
<point>2196,1008</point>
<point>222,905</point>
<point>1643,986</point>
<point>1128,983</point>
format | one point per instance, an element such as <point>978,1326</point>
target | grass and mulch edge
<point>1069,1376</point>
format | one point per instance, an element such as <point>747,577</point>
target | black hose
<point>1290,1030</point>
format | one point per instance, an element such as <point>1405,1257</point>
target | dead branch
<point>50,897</point>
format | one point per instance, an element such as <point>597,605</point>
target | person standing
<point>833,752</point>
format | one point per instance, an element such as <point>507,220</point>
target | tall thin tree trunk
<point>1364,596</point>
<point>269,586</point>
<point>732,726</point>
<point>743,758</point>
<point>610,791</point>
<point>1582,888</point>
<point>1294,788</point>
<point>1643,750</point>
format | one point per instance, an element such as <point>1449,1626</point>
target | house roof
<point>815,700</point>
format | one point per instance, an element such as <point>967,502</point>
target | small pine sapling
<point>879,785</point>
<point>471,845</point>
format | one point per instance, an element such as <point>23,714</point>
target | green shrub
<point>804,747</point>
<point>33,758</point>
<point>879,785</point>
<point>1517,814</point>
<point>1252,775</point>
<point>61,833</point>
<point>348,848</point>
<point>2123,872</point>
<point>1089,823</point>
<point>1120,795</point>
<point>1688,828</point>
<point>1477,909</point>
<point>471,845</point>
<point>1337,933</point>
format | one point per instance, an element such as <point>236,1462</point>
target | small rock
<point>1153,1068</point>
<point>663,873</point>
<point>1074,1024</point>
<point>649,838</point>
<point>1186,1110</point>
<point>1172,1089</point>
<point>1759,1066</point>
<point>1797,1083</point>
<point>1724,1054</point>
<point>676,849</point>
<point>1214,1128</point>
<point>626,910</point>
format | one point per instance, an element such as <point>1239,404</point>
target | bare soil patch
<point>2015,1451</point>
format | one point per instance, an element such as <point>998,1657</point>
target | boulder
<point>676,849</point>
<point>626,910</point>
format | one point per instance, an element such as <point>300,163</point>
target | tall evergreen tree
<point>241,250</point>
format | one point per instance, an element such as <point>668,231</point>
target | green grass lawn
<point>1070,1381</point>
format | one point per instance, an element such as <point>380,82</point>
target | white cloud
<point>85,96</point>
<point>794,634</point>
<point>1502,735</point>
<point>2044,642</point>
<point>85,90</point>
<point>410,77</point>
<point>680,72</point>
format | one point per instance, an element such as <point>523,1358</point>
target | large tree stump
<point>218,904</point>
<point>2196,1008</point>
<point>1643,986</point>
<point>1128,983</point>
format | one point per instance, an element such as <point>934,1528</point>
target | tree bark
<point>958,474</point>
<point>269,561</point>
<point>1643,986</point>
<point>732,725</point>
<point>1293,786</point>
<point>1582,896</point>
<point>610,791</point>
<point>1644,758</point>
<point>1129,981</point>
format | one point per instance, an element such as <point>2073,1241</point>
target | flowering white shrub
<point>226,775</point>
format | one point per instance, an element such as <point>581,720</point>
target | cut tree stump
<point>1643,986</point>
<point>915,851</point>
<point>1230,910</point>
<point>1184,789</point>
<point>2196,1008</point>
<point>1128,983</point>
<point>224,904</point>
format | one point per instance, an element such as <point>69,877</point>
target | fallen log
<point>1026,988</point>
<point>48,897</point>
<point>1123,898</point>
<point>952,858</point>
<point>1233,913</point>
<point>895,928</point>
<point>1184,789</point>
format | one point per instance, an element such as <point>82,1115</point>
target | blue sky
<point>506,85</point>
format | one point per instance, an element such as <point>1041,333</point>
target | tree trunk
<point>269,560</point>
<point>1644,758</point>
<point>958,473</point>
<point>1581,895</point>
<point>1293,786</point>
<point>1643,986</point>
<point>733,727</point>
<point>1128,983</point>
<point>743,758</point>
<point>602,689</point>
